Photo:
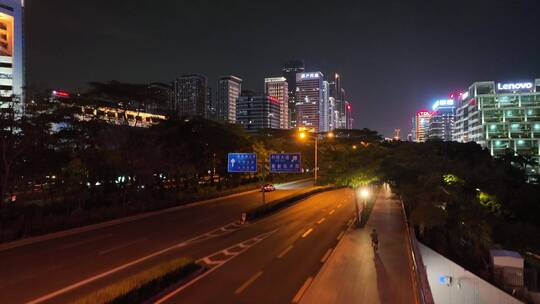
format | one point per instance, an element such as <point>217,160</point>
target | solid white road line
<point>121,246</point>
<point>302,290</point>
<point>326,255</point>
<point>321,220</point>
<point>248,282</point>
<point>307,232</point>
<point>284,252</point>
<point>340,235</point>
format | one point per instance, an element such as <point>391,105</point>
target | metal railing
<point>418,271</point>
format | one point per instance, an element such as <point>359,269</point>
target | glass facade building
<point>229,89</point>
<point>278,88</point>
<point>441,122</point>
<point>257,111</point>
<point>11,51</point>
<point>501,116</point>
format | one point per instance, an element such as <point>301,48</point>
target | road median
<point>145,285</point>
<point>272,207</point>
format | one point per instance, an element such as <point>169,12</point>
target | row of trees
<point>64,171</point>
<point>461,201</point>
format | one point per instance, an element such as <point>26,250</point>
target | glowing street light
<point>302,135</point>
<point>364,193</point>
<point>354,147</point>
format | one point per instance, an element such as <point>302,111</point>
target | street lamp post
<point>316,152</point>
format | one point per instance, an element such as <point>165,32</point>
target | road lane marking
<point>340,235</point>
<point>90,240</point>
<point>248,282</point>
<point>339,206</point>
<point>331,212</point>
<point>326,255</point>
<point>200,277</point>
<point>109,272</point>
<point>307,232</point>
<point>321,220</point>
<point>284,252</point>
<point>302,290</point>
<point>121,246</point>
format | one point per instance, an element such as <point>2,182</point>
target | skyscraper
<point>277,87</point>
<point>310,101</point>
<point>441,122</point>
<point>257,111</point>
<point>420,126</point>
<point>229,89</point>
<point>289,71</point>
<point>337,93</point>
<point>191,95</point>
<point>11,51</point>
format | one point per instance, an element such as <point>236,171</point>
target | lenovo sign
<point>518,86</point>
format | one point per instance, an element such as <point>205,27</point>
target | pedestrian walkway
<point>354,274</point>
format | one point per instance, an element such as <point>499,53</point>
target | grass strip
<point>143,285</point>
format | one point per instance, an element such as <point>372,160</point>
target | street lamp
<point>364,194</point>
<point>303,135</point>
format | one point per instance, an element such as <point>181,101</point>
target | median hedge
<point>269,208</point>
<point>143,285</point>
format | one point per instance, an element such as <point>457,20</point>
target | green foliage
<point>439,184</point>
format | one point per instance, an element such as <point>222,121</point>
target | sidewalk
<point>353,274</point>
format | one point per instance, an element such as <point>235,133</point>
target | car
<point>268,188</point>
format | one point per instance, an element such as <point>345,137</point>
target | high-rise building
<point>325,110</point>
<point>11,51</point>
<point>289,71</point>
<point>191,95</point>
<point>501,116</point>
<point>420,123</point>
<point>310,103</point>
<point>257,111</point>
<point>337,93</point>
<point>278,88</point>
<point>229,89</point>
<point>441,122</point>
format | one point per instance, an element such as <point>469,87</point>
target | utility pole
<point>316,154</point>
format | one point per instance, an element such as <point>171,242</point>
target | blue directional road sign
<point>286,163</point>
<point>242,162</point>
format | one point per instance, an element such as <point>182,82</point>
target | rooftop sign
<point>443,103</point>
<point>517,86</point>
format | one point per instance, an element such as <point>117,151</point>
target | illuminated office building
<point>229,89</point>
<point>278,88</point>
<point>420,127</point>
<point>441,122</point>
<point>289,71</point>
<point>11,51</point>
<point>501,116</point>
<point>310,101</point>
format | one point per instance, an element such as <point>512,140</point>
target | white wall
<point>465,287</point>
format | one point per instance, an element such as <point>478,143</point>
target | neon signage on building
<point>517,86</point>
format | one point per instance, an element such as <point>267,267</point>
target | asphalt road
<point>59,270</point>
<point>292,247</point>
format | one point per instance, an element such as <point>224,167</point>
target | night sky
<point>395,57</point>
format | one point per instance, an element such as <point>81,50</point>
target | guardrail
<point>418,271</point>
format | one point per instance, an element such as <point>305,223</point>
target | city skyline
<point>377,59</point>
